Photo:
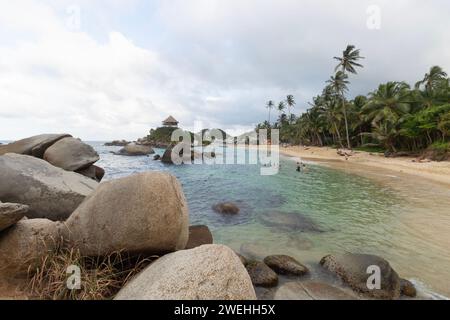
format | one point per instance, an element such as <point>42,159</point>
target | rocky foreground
<point>51,198</point>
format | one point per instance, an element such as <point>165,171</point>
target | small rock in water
<point>353,270</point>
<point>407,288</point>
<point>198,236</point>
<point>11,213</point>
<point>134,149</point>
<point>226,208</point>
<point>290,221</point>
<point>261,274</point>
<point>285,265</point>
<point>157,157</point>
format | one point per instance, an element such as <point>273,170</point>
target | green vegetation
<point>394,117</point>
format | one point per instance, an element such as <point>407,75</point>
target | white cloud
<point>214,61</point>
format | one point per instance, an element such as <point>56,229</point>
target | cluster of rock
<point>44,206</point>
<point>117,143</point>
<point>135,149</point>
<point>61,151</point>
<point>351,269</point>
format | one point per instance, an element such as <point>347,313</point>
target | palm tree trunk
<point>338,134</point>
<point>346,122</point>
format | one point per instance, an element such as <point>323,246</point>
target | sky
<point>113,69</point>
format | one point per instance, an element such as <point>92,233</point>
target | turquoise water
<point>310,214</point>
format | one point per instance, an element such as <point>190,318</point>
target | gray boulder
<point>354,270</point>
<point>50,192</point>
<point>11,213</point>
<point>34,146</point>
<point>24,245</point>
<point>209,272</point>
<point>134,149</point>
<point>144,213</point>
<point>71,154</point>
<point>285,265</point>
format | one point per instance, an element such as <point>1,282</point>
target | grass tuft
<point>101,277</point>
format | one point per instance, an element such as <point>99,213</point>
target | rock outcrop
<point>210,272</point>
<point>355,270</point>
<point>134,149</point>
<point>144,213</point>
<point>50,192</point>
<point>33,146</point>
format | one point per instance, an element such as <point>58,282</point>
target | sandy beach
<point>435,171</point>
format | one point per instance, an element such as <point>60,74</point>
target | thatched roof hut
<point>170,122</point>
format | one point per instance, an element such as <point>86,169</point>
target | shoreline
<point>438,172</point>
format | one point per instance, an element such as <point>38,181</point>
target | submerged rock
<point>226,208</point>
<point>209,272</point>
<point>242,258</point>
<point>24,245</point>
<point>134,149</point>
<point>311,290</point>
<point>11,213</point>
<point>407,288</point>
<point>285,265</point>
<point>145,213</point>
<point>261,274</point>
<point>293,221</point>
<point>34,146</point>
<point>355,270</point>
<point>198,236</point>
<point>50,192</point>
<point>71,154</point>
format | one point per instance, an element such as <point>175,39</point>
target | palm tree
<point>281,107</point>
<point>291,103</point>
<point>270,106</point>
<point>347,63</point>
<point>432,79</point>
<point>388,103</point>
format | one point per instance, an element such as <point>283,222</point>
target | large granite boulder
<point>11,213</point>
<point>33,146</point>
<point>285,265</point>
<point>50,192</point>
<point>134,149</point>
<point>209,272</point>
<point>198,236</point>
<point>355,270</point>
<point>145,213</point>
<point>24,245</point>
<point>261,274</point>
<point>71,154</point>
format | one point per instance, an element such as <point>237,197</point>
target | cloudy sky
<point>110,69</point>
